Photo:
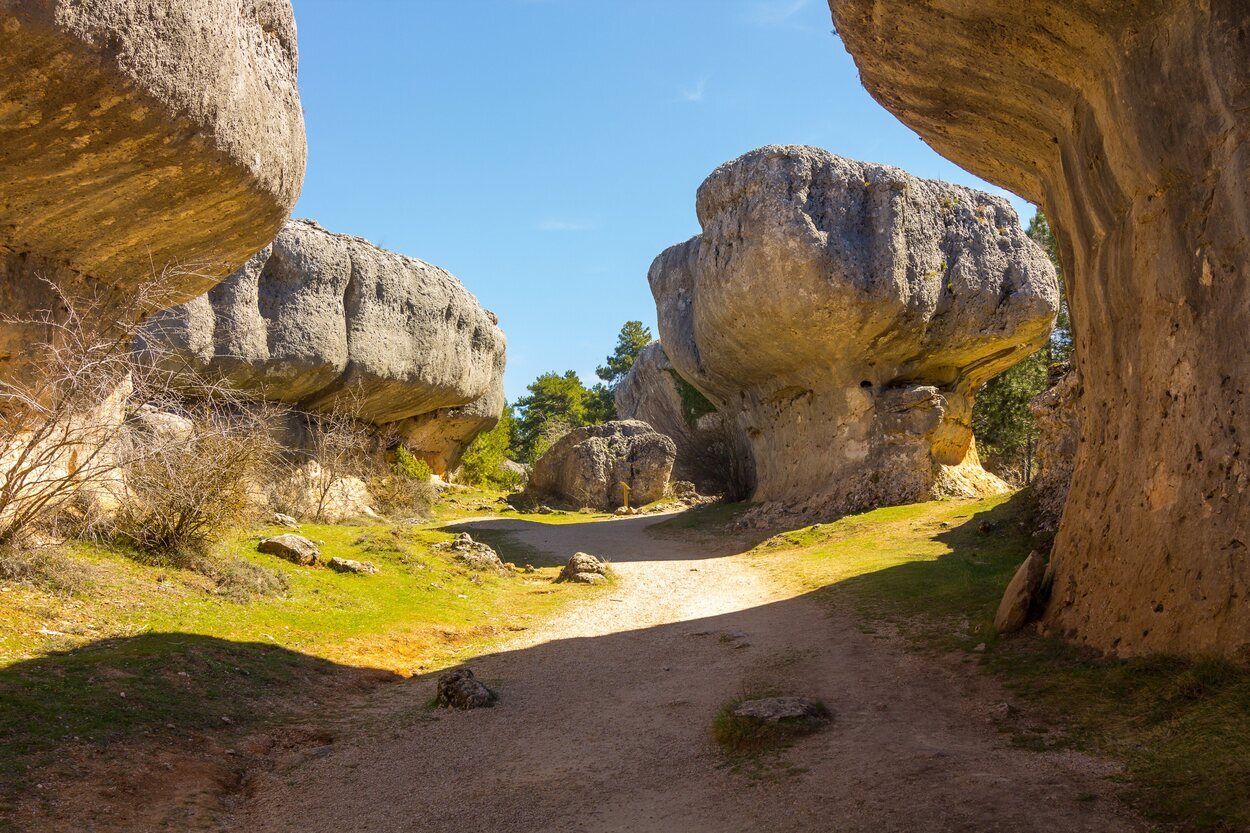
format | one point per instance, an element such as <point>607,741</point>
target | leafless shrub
<point>326,480</point>
<point>62,406</point>
<point>184,487</point>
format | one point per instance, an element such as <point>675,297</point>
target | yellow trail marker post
<point>625,492</point>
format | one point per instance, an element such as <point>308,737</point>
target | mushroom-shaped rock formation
<point>589,466</point>
<point>844,314</point>
<point>140,137</point>
<point>1129,123</point>
<point>321,320</point>
<point>654,393</point>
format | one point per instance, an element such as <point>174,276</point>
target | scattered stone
<point>986,527</point>
<point>782,710</point>
<point>294,548</point>
<point>285,520</point>
<point>347,565</point>
<point>530,568</point>
<point>979,649</point>
<point>1018,600</point>
<point>459,689</point>
<point>474,554</point>
<point>584,568</point>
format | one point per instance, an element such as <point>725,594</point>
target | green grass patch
<point>140,648</point>
<point>746,737</point>
<point>926,571</point>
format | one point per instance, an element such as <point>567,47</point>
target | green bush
<point>409,465</point>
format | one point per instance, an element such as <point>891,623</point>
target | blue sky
<point>545,151</point>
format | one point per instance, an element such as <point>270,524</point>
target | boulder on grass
<point>799,710</point>
<point>347,565</point>
<point>473,554</point>
<point>294,548</point>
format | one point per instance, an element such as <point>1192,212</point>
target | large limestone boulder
<point>707,454</point>
<point>843,315</point>
<point>1129,123</point>
<point>320,320</point>
<point>140,137</point>
<point>588,466</point>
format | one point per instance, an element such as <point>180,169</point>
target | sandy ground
<point>604,716</point>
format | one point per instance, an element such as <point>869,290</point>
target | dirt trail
<point>605,712</point>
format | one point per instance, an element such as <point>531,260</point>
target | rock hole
<point>866,385</point>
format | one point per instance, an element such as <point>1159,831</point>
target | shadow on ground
<point>624,714</point>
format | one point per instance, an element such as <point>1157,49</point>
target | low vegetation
<point>745,737</point>
<point>929,574</point>
<point>126,648</point>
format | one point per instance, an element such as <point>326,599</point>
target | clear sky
<point>545,151</point>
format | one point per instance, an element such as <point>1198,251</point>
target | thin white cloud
<point>694,94</point>
<point>783,13</point>
<point>564,225</point>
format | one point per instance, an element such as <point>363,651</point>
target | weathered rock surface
<point>587,466</point>
<point>1059,435</point>
<point>1129,123</point>
<point>318,318</point>
<point>583,568</point>
<point>842,315</point>
<point>473,554</point>
<point>459,689</point>
<point>1021,595</point>
<point>294,548</point>
<point>799,710</point>
<point>348,565</point>
<point>139,136</point>
<point>707,455</point>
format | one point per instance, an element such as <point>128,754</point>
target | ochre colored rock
<point>843,315</point>
<point>1129,123</point>
<point>318,319</point>
<point>1058,435</point>
<point>140,137</point>
<point>1018,601</point>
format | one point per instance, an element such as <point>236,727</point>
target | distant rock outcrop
<point>1129,123</point>
<point>318,319</point>
<point>654,393</point>
<point>138,143</point>
<point>843,315</point>
<point>587,466</point>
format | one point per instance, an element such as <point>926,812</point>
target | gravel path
<point>604,718</point>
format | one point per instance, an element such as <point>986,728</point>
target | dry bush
<point>182,490</point>
<point>403,497</point>
<point>62,406</point>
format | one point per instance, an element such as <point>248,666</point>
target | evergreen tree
<point>629,343</point>
<point>1001,420</point>
<point>555,401</point>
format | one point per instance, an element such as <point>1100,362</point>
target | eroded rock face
<point>843,315</point>
<point>1130,124</point>
<point>587,466</point>
<point>138,137</point>
<point>706,452</point>
<point>318,319</point>
<point>1058,436</point>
